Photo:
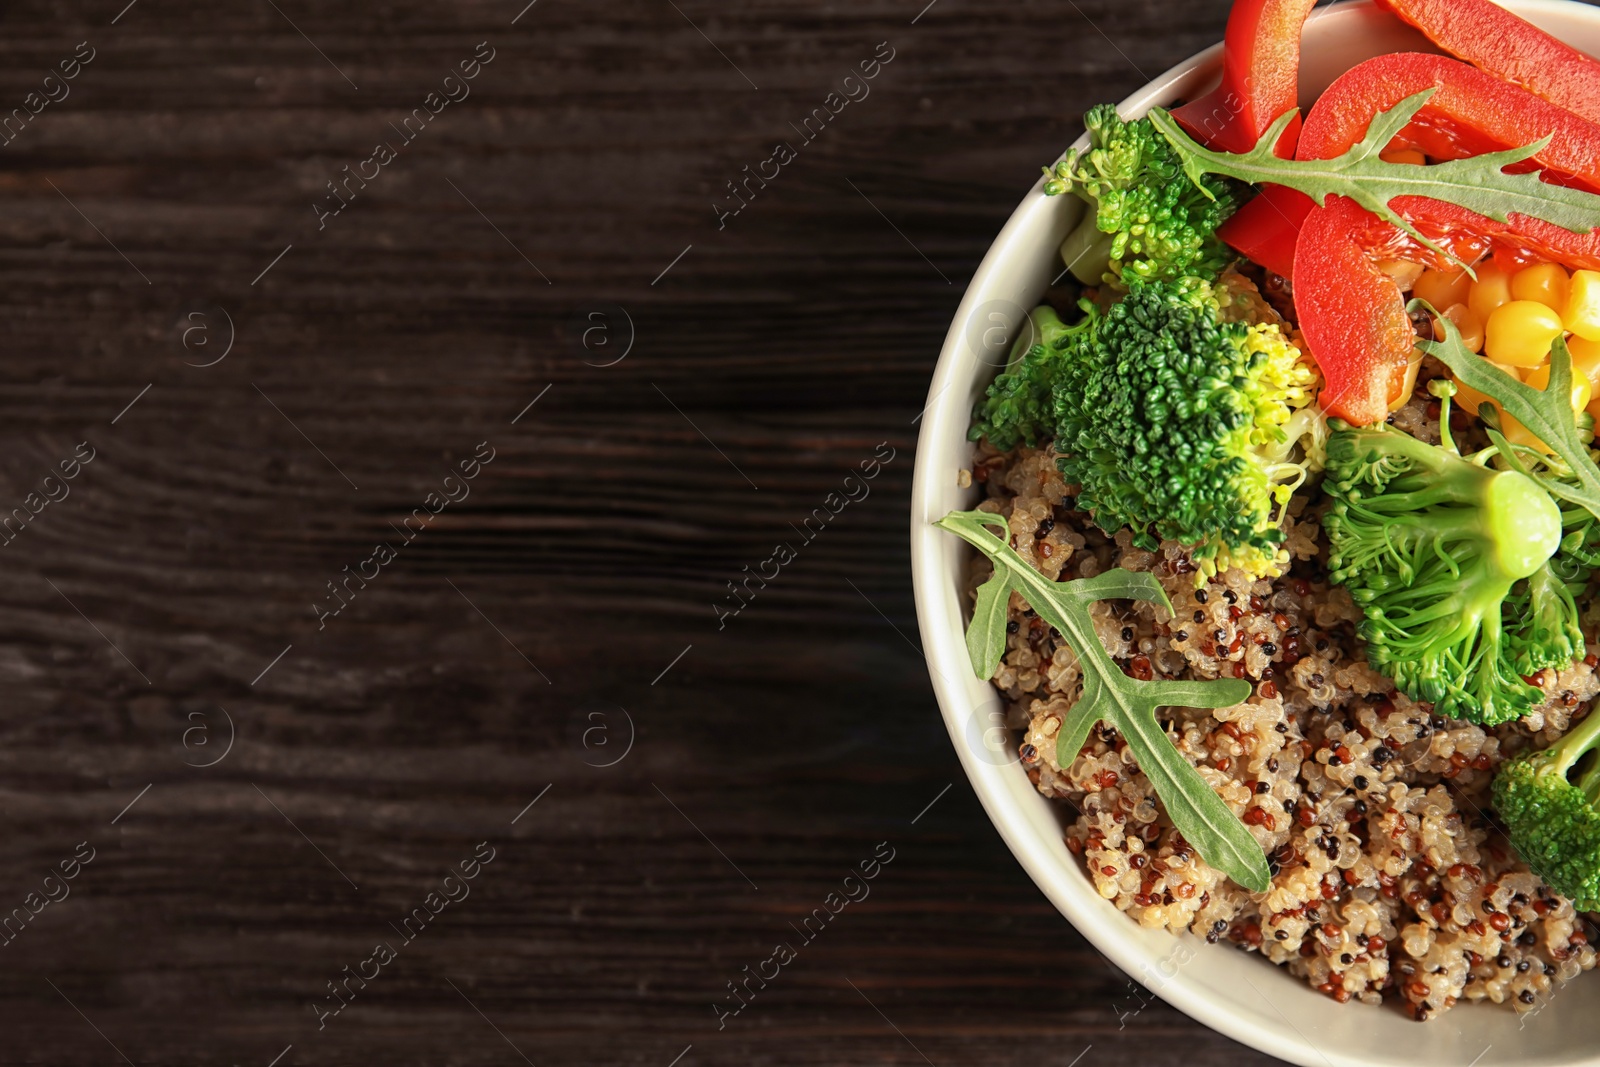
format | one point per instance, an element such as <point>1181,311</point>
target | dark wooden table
<point>269,390</point>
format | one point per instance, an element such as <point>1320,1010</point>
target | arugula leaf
<point>1547,413</point>
<point>1477,183</point>
<point>986,637</point>
<point>1127,704</point>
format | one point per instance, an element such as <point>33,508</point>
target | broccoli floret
<point>1186,427</point>
<point>1017,407</point>
<point>1146,220</point>
<point>1430,545</point>
<point>1553,822</point>
<point>1580,545</point>
<point>1542,622</point>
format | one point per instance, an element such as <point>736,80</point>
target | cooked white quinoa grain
<point>1389,880</point>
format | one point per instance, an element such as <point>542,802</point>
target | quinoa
<point>1389,879</point>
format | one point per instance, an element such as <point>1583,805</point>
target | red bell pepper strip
<point>1468,235</point>
<point>1351,313</point>
<point>1265,229</point>
<point>1509,47</point>
<point>1469,113</point>
<point>1260,78</point>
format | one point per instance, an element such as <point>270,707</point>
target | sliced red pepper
<point>1469,113</point>
<point>1468,235</point>
<point>1352,314</point>
<point>1509,47</point>
<point>1260,78</point>
<point>1264,230</point>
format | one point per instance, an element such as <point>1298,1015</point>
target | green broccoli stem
<point>1589,783</point>
<point>1468,632</point>
<point>1087,250</point>
<point>1562,756</point>
<point>1439,603</point>
<point>1042,324</point>
<point>1402,502</point>
<point>1403,514</point>
<point>1443,389</point>
<point>1396,443</point>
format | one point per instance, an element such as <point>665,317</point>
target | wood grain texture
<point>773,357</point>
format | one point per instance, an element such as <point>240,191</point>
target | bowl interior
<point>1225,988</point>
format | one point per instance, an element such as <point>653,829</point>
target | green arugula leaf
<point>1477,183</point>
<point>1127,704</point>
<point>1547,413</point>
<point>986,637</point>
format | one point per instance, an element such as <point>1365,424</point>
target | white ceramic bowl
<point>1236,993</point>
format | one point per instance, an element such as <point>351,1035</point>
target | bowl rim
<point>996,783</point>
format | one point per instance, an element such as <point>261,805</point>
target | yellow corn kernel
<point>1544,283</point>
<point>1582,311</point>
<point>1585,359</point>
<point>1469,398</point>
<point>1441,288</point>
<point>1404,272</point>
<point>1519,333</point>
<point>1492,289</point>
<point>1412,156</point>
<point>1469,325</point>
<point>1518,434</point>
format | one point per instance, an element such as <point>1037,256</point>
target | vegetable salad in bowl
<point>1287,564</point>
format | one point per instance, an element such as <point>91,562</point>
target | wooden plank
<point>149,609</point>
